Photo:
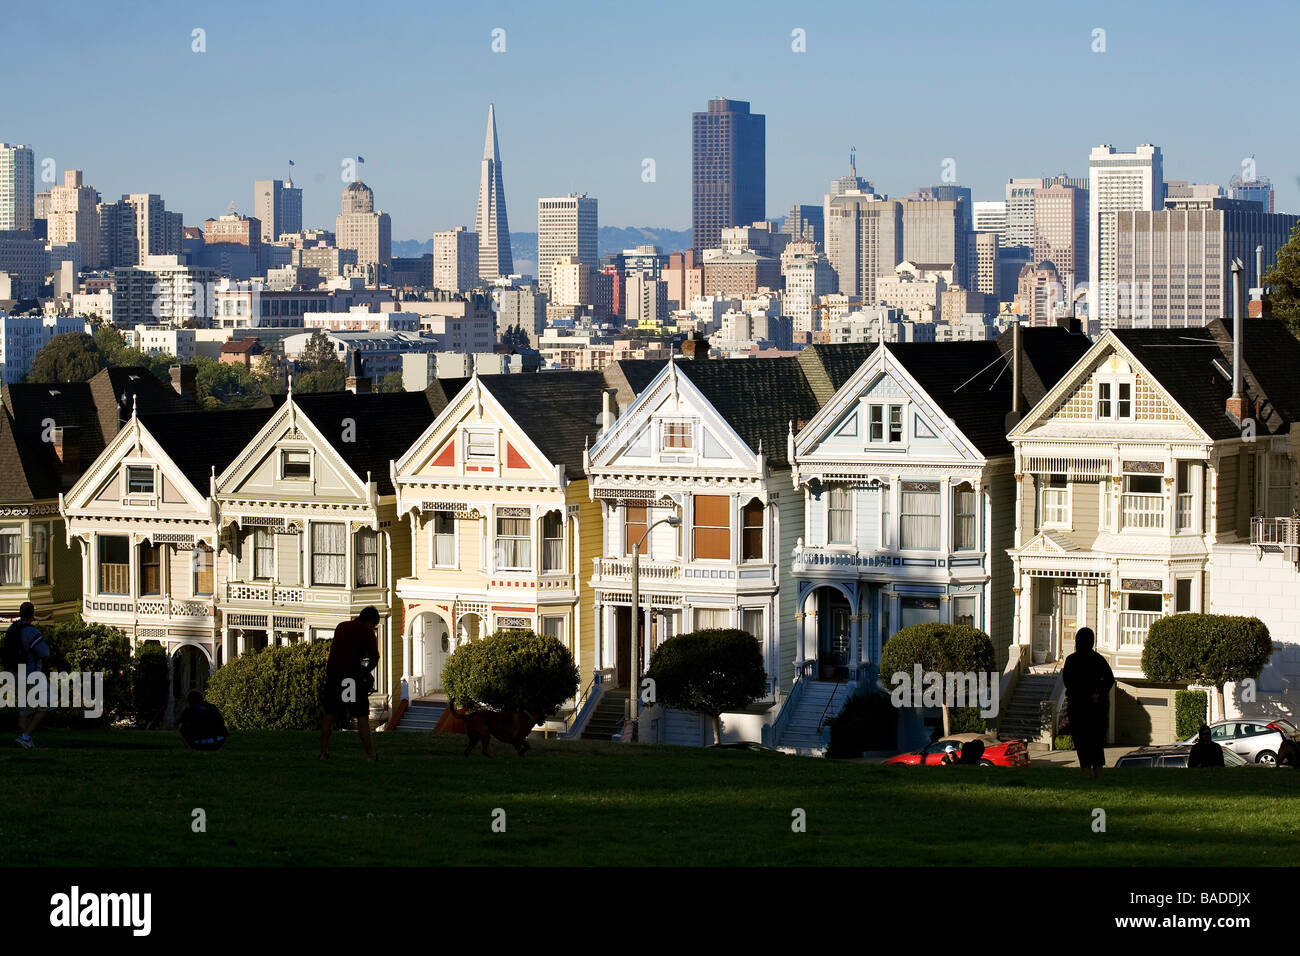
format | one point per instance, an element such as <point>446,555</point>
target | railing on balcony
<point>1142,511</point>
<point>650,570</point>
<point>263,593</point>
<point>1133,627</point>
<point>114,578</point>
<point>806,558</point>
<point>1275,533</point>
<point>196,608</point>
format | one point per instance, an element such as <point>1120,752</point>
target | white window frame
<point>1065,523</point>
<point>497,537</point>
<point>434,536</point>
<point>129,467</point>
<point>851,533</point>
<point>886,410</point>
<point>16,556</point>
<point>41,578</point>
<point>957,600</point>
<point>312,553</point>
<point>481,435</point>
<point>285,453</point>
<point>665,424</point>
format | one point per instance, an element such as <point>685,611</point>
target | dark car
<point>1170,755</point>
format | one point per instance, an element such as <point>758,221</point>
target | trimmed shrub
<point>512,669</point>
<point>1063,742</point>
<point>92,648</point>
<point>867,722</point>
<point>709,671</point>
<point>275,688</point>
<point>967,720</point>
<point>149,685</point>
<point>1206,649</point>
<point>943,648</point>
<point>1189,712</point>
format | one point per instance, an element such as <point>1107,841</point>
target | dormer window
<point>886,424</point>
<point>295,464</point>
<point>139,480</point>
<point>481,446</point>
<point>676,436</point>
<point>1115,401</point>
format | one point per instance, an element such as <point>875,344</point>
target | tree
<point>332,378</point>
<point>512,669</point>
<point>70,357</point>
<point>318,353</point>
<point>516,337</point>
<point>225,384</point>
<point>709,671</point>
<point>392,382</point>
<point>1206,649</point>
<point>939,648</point>
<point>1284,277</point>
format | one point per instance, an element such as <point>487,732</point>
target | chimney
<point>695,349</point>
<point>68,452</point>
<point>1016,413</point>
<point>1236,403</point>
<point>185,381</point>
<point>356,382</point>
<point>607,408</point>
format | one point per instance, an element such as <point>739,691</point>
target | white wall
<point>1244,581</point>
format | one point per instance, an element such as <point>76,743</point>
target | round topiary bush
<point>512,669</point>
<point>277,688</point>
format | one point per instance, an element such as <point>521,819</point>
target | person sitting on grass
<point>201,725</point>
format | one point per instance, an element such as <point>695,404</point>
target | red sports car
<point>997,753</point>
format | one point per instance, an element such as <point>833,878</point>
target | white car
<point>1255,740</point>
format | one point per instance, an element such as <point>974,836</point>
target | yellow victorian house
<point>501,522</point>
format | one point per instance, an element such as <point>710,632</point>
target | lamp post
<point>634,697</point>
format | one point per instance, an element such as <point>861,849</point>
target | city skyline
<point>554,151</point>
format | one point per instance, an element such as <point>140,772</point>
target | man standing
<point>353,654</point>
<point>24,644</point>
<point>1205,752</point>
<point>1088,680</point>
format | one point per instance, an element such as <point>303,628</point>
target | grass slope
<point>124,798</point>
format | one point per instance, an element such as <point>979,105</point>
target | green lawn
<point>117,798</point>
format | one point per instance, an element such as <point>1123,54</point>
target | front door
<point>834,640</point>
<point>1068,616</point>
<point>623,646</point>
<point>1044,619</point>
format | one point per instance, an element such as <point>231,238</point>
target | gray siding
<point>790,510</point>
<point>1002,532</point>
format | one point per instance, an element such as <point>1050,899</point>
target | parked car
<point>997,753</point>
<point>1170,755</point>
<point>1256,740</point>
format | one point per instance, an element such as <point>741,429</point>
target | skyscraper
<point>1061,232</point>
<point>455,260</point>
<point>1117,182</point>
<point>17,187</point>
<point>566,226</point>
<point>491,224</point>
<point>73,217</point>
<point>278,204</point>
<point>728,170</point>
<point>370,233</point>
<point>868,241</point>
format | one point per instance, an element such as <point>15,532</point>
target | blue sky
<point>585,91</point>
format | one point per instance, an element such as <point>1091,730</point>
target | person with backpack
<point>24,645</point>
<point>201,725</point>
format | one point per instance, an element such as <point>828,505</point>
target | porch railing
<point>1142,511</point>
<point>1133,627</point>
<point>1275,532</point>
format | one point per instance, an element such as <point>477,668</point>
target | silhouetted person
<point>1088,680</point>
<point>950,756</point>
<point>1205,752</point>
<point>971,752</point>
<point>201,725</point>
<point>348,683</point>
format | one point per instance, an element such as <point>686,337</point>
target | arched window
<point>751,531</point>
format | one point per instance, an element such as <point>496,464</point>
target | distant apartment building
<point>808,276</point>
<point>989,216</point>
<point>915,288</point>
<point>728,170</point>
<point>23,263</point>
<point>1117,182</point>
<point>22,336</point>
<point>1258,190</point>
<point>136,227</point>
<point>1173,266</point>
<point>411,272</point>
<point>362,318</point>
<point>1061,232</point>
<point>328,261</point>
<point>684,275</point>
<point>569,282</point>
<point>566,226</point>
<point>872,324</point>
<point>805,222</point>
<point>1040,295</point>
<point>759,237</point>
<point>73,216</point>
<point>162,291</point>
<point>983,258</point>
<point>455,260</point>
<point>955,302</point>
<point>740,273</point>
<point>647,300</point>
<point>867,241</point>
<point>277,204</point>
<point>936,231</point>
<point>17,188</point>
<point>233,229</point>
<point>361,228</point>
<point>524,307</point>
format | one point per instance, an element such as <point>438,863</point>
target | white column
<point>240,643</point>
<point>800,650</point>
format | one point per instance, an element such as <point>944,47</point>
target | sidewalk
<point>1067,758</point>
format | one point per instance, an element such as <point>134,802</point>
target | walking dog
<point>511,726</point>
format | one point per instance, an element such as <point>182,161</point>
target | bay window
<point>11,556</point>
<point>443,529</point>
<point>202,572</point>
<point>634,526</point>
<point>514,549</point>
<point>552,541</point>
<point>150,569</point>
<point>329,556</point>
<point>839,515</point>
<point>963,526</point>
<point>41,554</point>
<point>263,554</point>
<point>919,516</point>
<point>711,528</point>
<point>366,557</point>
<point>114,564</point>
<point>751,531</point>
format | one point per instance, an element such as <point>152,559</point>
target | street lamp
<point>634,698</point>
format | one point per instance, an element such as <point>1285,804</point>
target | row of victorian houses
<point>1029,486</point>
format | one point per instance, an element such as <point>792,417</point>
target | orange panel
<point>513,458</point>
<point>447,457</point>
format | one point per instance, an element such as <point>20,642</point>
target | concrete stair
<point>802,732</point>
<point>608,718</point>
<point>1020,718</point>
<point>422,716</point>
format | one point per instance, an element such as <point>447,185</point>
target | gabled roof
<point>197,447</point>
<point>1183,362</point>
<point>559,411</point>
<point>384,425</point>
<point>758,398</point>
<point>90,414</point>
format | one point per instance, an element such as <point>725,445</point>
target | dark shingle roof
<point>1182,361</point>
<point>560,411</point>
<point>197,446</point>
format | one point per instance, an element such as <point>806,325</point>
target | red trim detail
<point>447,457</point>
<point>513,458</point>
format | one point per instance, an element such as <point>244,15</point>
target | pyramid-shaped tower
<point>493,228</point>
